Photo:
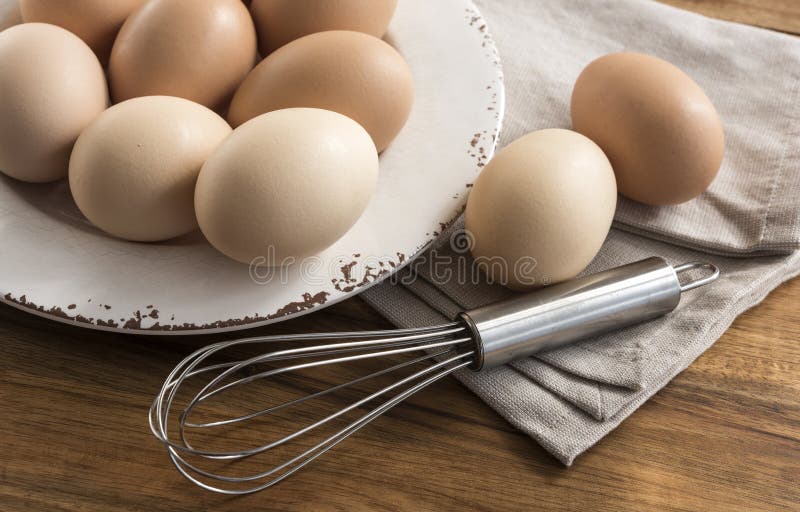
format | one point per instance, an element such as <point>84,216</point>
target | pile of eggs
<point>126,98</point>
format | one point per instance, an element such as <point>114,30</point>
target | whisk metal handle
<point>578,309</point>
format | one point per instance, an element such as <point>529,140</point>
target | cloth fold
<point>747,223</point>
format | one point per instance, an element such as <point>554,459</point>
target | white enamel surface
<point>53,263</point>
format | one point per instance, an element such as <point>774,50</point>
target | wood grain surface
<point>724,435</point>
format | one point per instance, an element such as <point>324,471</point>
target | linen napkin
<point>747,223</point>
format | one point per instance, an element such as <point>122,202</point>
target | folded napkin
<point>747,223</point>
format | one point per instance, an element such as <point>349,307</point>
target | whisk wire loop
<point>308,456</point>
<point>447,348</point>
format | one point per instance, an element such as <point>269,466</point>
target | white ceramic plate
<point>53,263</point>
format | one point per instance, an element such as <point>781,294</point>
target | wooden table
<point>724,435</point>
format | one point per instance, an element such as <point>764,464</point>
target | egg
<point>281,21</point>
<point>95,21</point>
<point>661,132</point>
<point>133,170</point>
<point>286,185</point>
<point>200,50</point>
<point>352,73</point>
<point>541,209</point>
<point>51,87</point>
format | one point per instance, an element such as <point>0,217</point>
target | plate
<point>55,264</point>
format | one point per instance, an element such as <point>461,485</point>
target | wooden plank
<point>725,435</point>
<point>781,15</point>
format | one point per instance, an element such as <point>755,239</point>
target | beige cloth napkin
<point>747,223</point>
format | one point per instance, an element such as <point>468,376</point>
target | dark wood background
<point>724,435</point>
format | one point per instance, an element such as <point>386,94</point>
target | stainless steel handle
<point>577,309</point>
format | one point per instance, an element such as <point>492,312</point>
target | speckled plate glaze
<point>53,263</point>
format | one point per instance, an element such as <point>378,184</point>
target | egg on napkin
<point>541,209</point>
<point>351,73</point>
<point>133,170</point>
<point>659,129</point>
<point>51,87</point>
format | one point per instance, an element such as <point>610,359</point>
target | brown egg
<point>281,21</point>
<point>51,87</point>
<point>200,50</point>
<point>352,73</point>
<point>133,170</point>
<point>95,21</point>
<point>657,126</point>
<point>541,209</point>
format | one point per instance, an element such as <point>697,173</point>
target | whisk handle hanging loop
<point>564,313</point>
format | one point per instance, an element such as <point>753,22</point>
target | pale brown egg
<point>95,21</point>
<point>51,87</point>
<point>352,73</point>
<point>286,185</point>
<point>541,209</point>
<point>281,21</point>
<point>200,50</point>
<point>133,171</point>
<point>659,129</point>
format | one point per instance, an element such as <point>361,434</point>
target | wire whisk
<point>478,339</point>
